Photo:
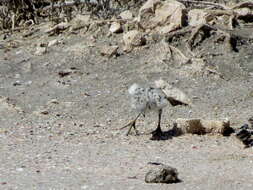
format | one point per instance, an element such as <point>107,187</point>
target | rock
<point>53,101</point>
<point>109,50</point>
<point>65,73</point>
<point>202,126</point>
<point>44,112</point>
<point>167,53</point>
<point>126,15</point>
<point>175,95</point>
<point>59,27</point>
<point>243,12</point>
<point>40,50</point>
<point>162,174</point>
<point>169,14</point>
<point>80,21</point>
<point>166,15</point>
<point>149,7</point>
<point>133,38</point>
<point>197,17</point>
<point>115,27</point>
<point>53,42</point>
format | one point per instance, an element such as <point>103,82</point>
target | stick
<point>205,3</point>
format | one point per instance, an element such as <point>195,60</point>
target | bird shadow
<point>165,135</point>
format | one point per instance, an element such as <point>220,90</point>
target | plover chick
<point>143,100</point>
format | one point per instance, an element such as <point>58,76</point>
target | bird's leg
<point>132,124</point>
<point>158,132</point>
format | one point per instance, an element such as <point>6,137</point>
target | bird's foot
<point>131,125</point>
<point>157,134</point>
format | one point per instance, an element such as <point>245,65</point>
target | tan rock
<point>126,15</point>
<point>175,95</point>
<point>109,50</point>
<point>134,38</point>
<point>197,17</point>
<point>149,6</point>
<point>80,21</point>
<point>162,13</point>
<point>170,12</point>
<point>202,126</point>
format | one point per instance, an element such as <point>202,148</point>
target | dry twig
<point>205,3</point>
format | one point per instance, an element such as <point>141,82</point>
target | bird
<point>145,99</point>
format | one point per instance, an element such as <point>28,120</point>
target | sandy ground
<point>62,132</point>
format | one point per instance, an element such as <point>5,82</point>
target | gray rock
<point>162,174</point>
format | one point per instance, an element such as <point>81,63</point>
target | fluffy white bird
<point>145,99</point>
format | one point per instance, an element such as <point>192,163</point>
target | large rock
<point>149,7</point>
<point>175,95</point>
<point>165,15</point>
<point>197,17</point>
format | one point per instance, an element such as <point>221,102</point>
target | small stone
<point>20,169</point>
<point>126,15</point>
<point>162,174</point>
<point>53,42</point>
<point>109,50</point>
<point>44,112</point>
<point>115,27</point>
<point>40,50</point>
<point>65,73</point>
<point>54,101</point>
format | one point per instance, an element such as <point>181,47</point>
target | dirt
<point>61,131</point>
